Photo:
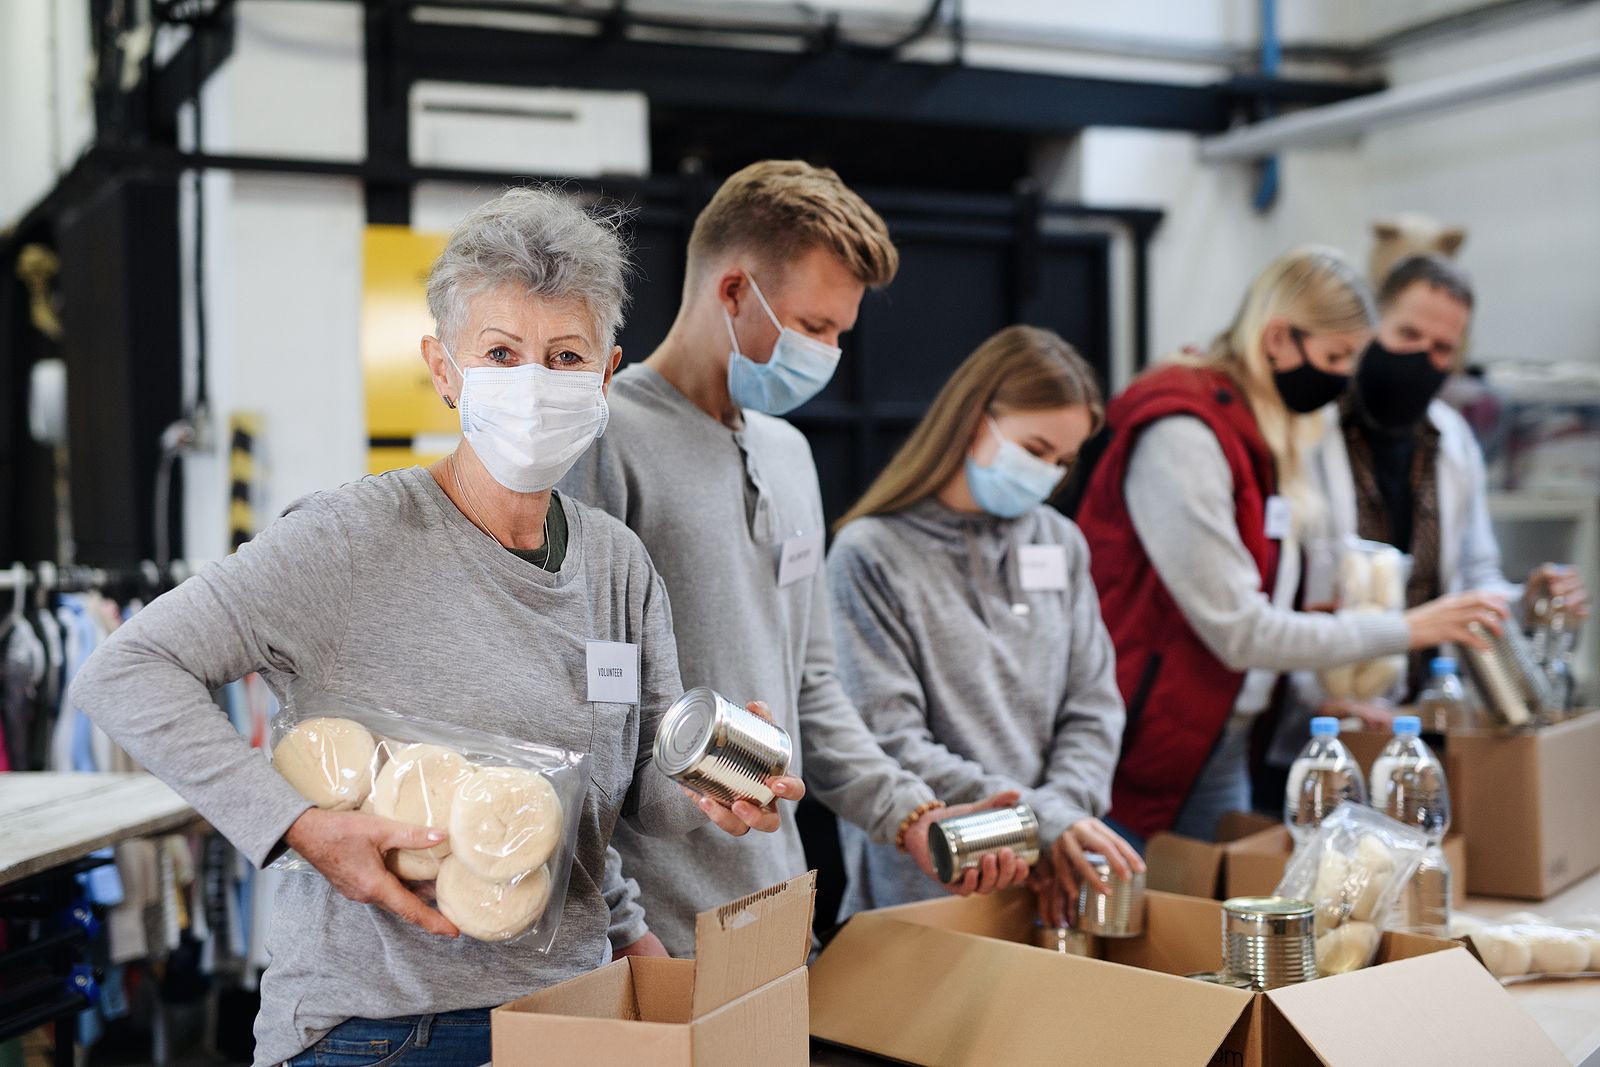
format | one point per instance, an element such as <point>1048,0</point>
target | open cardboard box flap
<point>928,983</point>
<point>1454,1013</point>
<point>757,939</point>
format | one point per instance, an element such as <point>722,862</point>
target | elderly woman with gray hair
<point>466,592</point>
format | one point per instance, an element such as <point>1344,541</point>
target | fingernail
<point>780,788</point>
<point>435,835</point>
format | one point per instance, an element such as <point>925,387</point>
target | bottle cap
<point>1409,725</point>
<point>1443,665</point>
<point>1324,726</point>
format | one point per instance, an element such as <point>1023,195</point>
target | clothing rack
<point>47,577</point>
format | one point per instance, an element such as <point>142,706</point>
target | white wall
<point>46,108</point>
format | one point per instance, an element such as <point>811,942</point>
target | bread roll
<point>1355,579</point>
<point>1372,872</point>
<point>1339,682</point>
<point>1347,948</point>
<point>1505,954</point>
<point>1376,677</point>
<point>1387,575</point>
<point>417,786</point>
<point>1556,951</point>
<point>328,761</point>
<point>490,910</point>
<point>504,821</point>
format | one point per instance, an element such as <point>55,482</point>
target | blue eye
<point>569,358</point>
<point>500,354</point>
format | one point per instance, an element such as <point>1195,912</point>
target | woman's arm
<point>1180,496</point>
<point>282,602</point>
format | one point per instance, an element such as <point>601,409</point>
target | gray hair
<point>543,242</point>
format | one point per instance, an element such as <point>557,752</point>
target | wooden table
<point>48,820</point>
<point>1569,1011</point>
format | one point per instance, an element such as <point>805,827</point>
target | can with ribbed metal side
<point>1118,913</point>
<point>959,844</point>
<point>720,750</point>
<point>1269,940</point>
<point>1065,940</point>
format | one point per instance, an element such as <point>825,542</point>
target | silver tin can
<point>959,844</point>
<point>1118,913</point>
<point>1271,941</point>
<point>1222,978</point>
<point>1514,688</point>
<point>720,750</point>
<point>1065,940</point>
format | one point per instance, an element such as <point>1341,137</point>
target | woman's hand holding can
<point>742,816</point>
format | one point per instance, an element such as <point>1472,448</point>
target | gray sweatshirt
<point>969,679</point>
<point>714,506</point>
<point>382,592</point>
<point>1180,497</point>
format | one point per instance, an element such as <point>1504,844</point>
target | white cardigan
<point>1469,556</point>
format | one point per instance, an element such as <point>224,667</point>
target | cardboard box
<point>1526,804</point>
<point>1256,864</point>
<point>742,1000</point>
<point>1192,868</point>
<point>952,983</point>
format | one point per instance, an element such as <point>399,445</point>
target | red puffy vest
<point>1177,693</point>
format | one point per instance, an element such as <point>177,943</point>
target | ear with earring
<point>449,403</point>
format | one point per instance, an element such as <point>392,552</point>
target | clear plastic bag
<point>1526,947</point>
<point>1352,869</point>
<point>1371,577</point>
<point>509,807</point>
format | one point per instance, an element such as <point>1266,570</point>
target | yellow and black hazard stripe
<point>244,431</point>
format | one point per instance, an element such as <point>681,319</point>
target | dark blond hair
<point>780,209</point>
<point>1021,368</point>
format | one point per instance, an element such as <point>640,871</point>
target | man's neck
<point>689,365</point>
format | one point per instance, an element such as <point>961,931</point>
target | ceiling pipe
<point>1406,102</point>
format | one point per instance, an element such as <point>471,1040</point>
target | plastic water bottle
<point>1408,785</point>
<point>1323,775</point>
<point>1442,707</point>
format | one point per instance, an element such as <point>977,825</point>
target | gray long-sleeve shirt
<point>1180,497</point>
<point>968,678</point>
<point>382,592</point>
<point>714,506</point>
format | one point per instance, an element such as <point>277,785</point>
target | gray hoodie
<point>972,681</point>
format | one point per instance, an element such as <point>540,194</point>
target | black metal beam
<point>827,85</point>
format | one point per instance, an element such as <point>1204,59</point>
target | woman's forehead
<point>514,310</point>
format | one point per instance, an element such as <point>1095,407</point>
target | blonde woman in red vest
<point>1192,514</point>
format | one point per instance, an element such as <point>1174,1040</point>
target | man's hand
<point>348,847</point>
<point>744,815</point>
<point>994,872</point>
<point>1555,580</point>
<point>648,945</point>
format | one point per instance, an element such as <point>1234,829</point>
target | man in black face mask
<point>1400,468</point>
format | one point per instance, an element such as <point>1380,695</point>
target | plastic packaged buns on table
<point>1352,869</point>
<point>1372,578</point>
<point>509,807</point>
<point>1524,946</point>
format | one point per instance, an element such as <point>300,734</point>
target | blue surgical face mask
<point>1015,482</point>
<point>800,366</point>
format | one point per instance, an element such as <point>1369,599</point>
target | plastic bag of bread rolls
<point>1525,947</point>
<point>1352,869</point>
<point>508,806</point>
<point>1371,577</point>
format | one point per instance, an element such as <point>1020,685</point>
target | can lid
<point>1223,978</point>
<point>686,731</point>
<point>1267,907</point>
<point>941,850</point>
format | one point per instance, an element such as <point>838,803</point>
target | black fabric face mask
<point>1395,388</point>
<point>1308,387</point>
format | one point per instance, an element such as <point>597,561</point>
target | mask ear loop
<point>449,403</point>
<point>764,305</point>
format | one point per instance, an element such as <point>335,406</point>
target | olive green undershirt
<point>550,555</point>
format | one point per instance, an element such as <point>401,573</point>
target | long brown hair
<point>1021,368</point>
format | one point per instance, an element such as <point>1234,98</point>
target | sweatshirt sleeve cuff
<point>1384,634</point>
<point>258,829</point>
<point>905,800</point>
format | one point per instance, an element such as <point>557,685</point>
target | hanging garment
<point>20,677</point>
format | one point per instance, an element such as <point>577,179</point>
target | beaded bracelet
<point>918,812</point>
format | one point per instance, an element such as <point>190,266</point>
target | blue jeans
<point>449,1039</point>
<point>1223,784</point>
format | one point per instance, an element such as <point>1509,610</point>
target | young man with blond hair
<point>724,494</point>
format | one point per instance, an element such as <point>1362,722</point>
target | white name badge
<point>1279,518</point>
<point>613,671</point>
<point>801,556</point>
<point>1044,567</point>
